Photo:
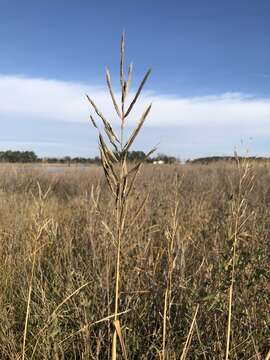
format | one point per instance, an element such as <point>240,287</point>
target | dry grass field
<point>132,260</point>
<point>200,230</point>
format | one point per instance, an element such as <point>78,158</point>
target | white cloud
<point>22,97</point>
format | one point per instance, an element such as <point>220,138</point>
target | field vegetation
<point>124,261</point>
<point>178,248</point>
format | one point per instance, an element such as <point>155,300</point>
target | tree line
<point>18,156</point>
<point>30,157</point>
<point>10,156</point>
<point>213,159</point>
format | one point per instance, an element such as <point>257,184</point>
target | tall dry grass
<point>176,267</point>
<point>120,177</point>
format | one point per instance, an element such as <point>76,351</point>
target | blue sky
<point>210,84</point>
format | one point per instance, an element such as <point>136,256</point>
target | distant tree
<point>136,156</point>
<point>18,156</point>
<point>97,160</point>
<point>28,156</point>
<point>52,160</point>
<point>67,160</point>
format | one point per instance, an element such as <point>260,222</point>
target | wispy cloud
<point>65,101</point>
<point>51,117</point>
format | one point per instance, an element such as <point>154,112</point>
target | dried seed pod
<point>138,93</point>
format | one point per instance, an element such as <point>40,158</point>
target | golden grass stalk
<point>120,179</point>
<point>189,337</point>
<point>40,227</point>
<point>120,336</point>
<point>170,234</point>
<point>87,326</point>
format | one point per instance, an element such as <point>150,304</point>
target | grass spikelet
<point>138,92</point>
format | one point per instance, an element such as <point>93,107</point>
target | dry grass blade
<point>138,93</point>
<point>109,231</point>
<point>200,341</point>
<point>107,126</point>
<point>124,191</point>
<point>124,94</point>
<point>111,138</point>
<point>28,307</point>
<point>109,83</point>
<point>114,346</point>
<point>85,327</point>
<point>136,171</point>
<point>189,337</point>
<point>151,152</point>
<point>268,356</point>
<point>97,111</point>
<point>229,322</point>
<point>69,297</point>
<point>107,150</point>
<point>137,167</point>
<point>125,168</point>
<point>109,181</point>
<point>93,122</point>
<point>43,195</point>
<point>122,60</point>
<point>129,78</point>
<point>30,289</point>
<point>164,324</point>
<point>137,129</point>
<point>141,207</point>
<point>119,333</point>
<point>110,173</point>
